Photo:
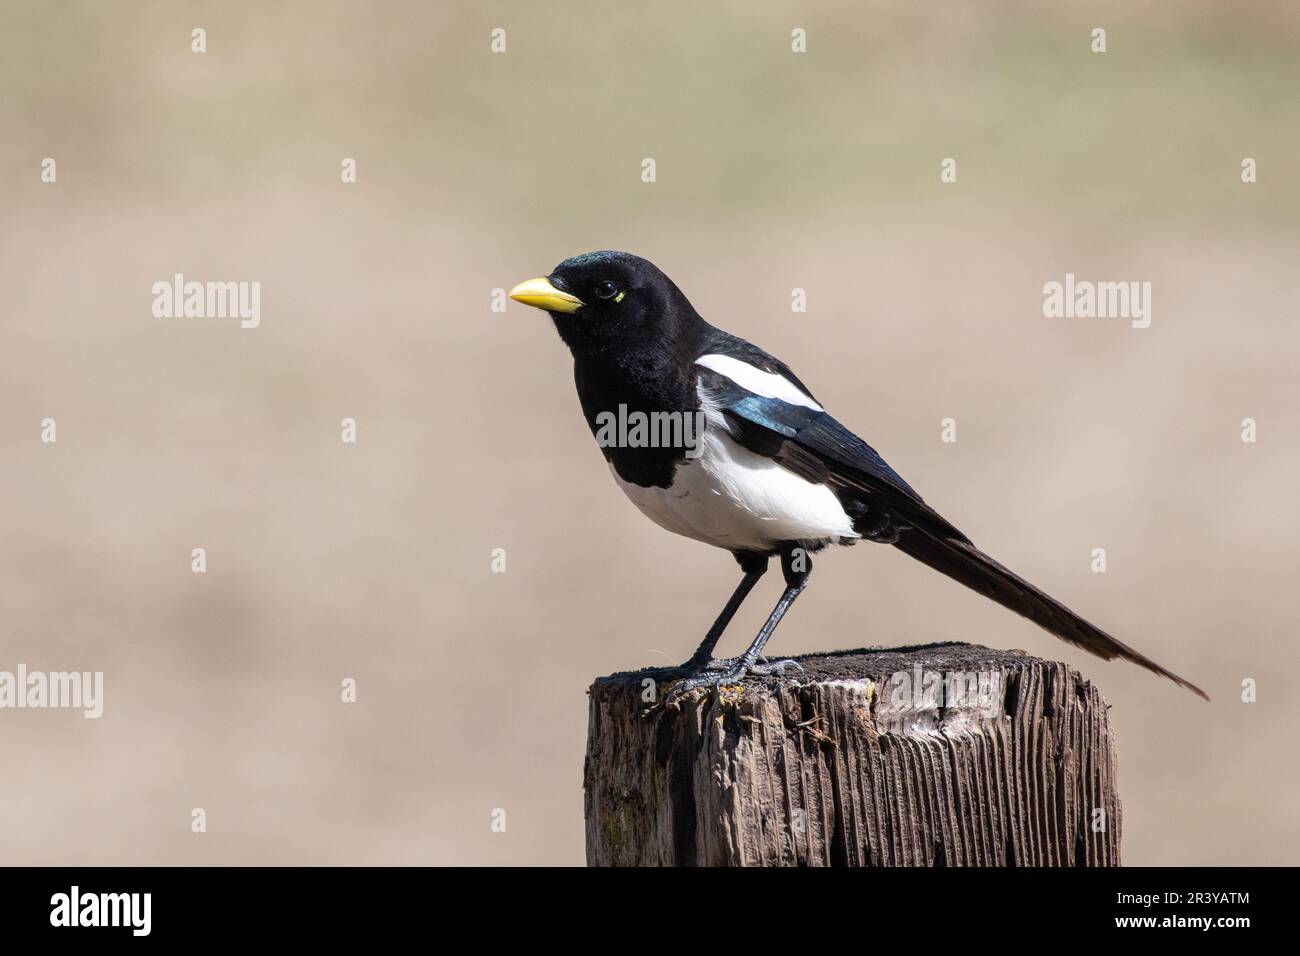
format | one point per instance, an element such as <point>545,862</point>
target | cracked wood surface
<point>943,755</point>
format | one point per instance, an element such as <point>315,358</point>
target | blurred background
<point>476,170</point>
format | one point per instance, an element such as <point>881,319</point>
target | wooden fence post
<point>943,755</point>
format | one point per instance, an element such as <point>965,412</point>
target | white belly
<point>731,498</point>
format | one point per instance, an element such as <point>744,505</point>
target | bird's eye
<point>606,290</point>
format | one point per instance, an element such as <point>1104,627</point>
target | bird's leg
<point>796,566</point>
<point>754,566</point>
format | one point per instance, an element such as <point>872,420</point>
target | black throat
<point>647,379</point>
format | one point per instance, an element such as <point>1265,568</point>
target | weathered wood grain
<point>848,764</point>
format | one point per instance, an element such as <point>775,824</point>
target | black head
<point>603,301</point>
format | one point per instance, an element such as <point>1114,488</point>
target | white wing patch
<point>766,384</point>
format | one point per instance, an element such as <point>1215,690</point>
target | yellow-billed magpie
<point>768,473</point>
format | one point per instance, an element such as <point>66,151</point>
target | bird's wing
<point>807,440</point>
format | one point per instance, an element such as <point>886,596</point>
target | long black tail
<point>962,561</point>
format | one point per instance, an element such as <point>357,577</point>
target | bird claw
<point>762,667</point>
<point>725,672</point>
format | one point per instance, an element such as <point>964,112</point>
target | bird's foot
<point>761,667</point>
<point>724,672</point>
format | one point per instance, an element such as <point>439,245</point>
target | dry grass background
<point>476,171</point>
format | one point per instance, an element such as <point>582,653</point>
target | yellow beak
<point>540,294</point>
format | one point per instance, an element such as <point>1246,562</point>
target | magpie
<point>770,473</point>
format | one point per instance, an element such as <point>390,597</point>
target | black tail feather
<point>962,561</point>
